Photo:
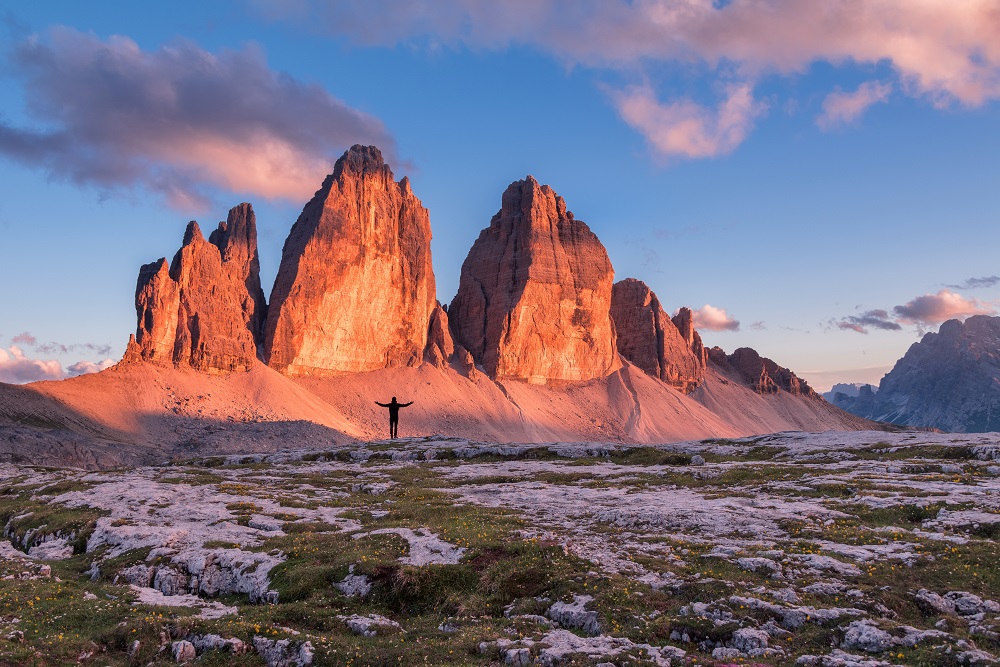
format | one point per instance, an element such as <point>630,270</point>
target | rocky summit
<point>355,289</point>
<point>206,308</point>
<point>652,341</point>
<point>534,296</point>
<point>760,373</point>
<point>947,380</point>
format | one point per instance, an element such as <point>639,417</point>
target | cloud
<point>86,367</point>
<point>714,319</point>
<point>23,338</point>
<point>177,120</point>
<point>936,308</point>
<point>15,368</point>
<point>759,325</point>
<point>687,129</point>
<point>973,283</point>
<point>60,348</point>
<point>870,319</point>
<point>946,51</point>
<point>840,108</point>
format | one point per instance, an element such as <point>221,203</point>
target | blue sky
<point>794,172</point>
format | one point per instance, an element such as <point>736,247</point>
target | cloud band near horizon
<point>923,310</point>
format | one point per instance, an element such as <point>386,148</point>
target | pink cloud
<point>947,52</point>
<point>714,319</point>
<point>87,367</point>
<point>23,338</point>
<point>686,129</point>
<point>15,368</point>
<point>936,308</point>
<point>842,108</point>
<point>177,119</point>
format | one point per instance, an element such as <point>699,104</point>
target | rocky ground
<point>827,549</point>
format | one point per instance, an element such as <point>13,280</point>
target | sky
<point>818,181</point>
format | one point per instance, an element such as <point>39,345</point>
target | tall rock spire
<point>355,289</point>
<point>206,308</point>
<point>534,296</point>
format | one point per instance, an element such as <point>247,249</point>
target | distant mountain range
<point>949,380</point>
<point>856,398</point>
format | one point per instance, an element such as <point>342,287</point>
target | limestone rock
<point>684,321</point>
<point>575,615</point>
<point>284,652</point>
<point>866,636</point>
<point>760,373</point>
<point>652,341</point>
<point>440,345</point>
<point>465,361</point>
<point>371,625</point>
<point>534,296</point>
<point>183,651</point>
<point>206,308</point>
<point>355,289</point>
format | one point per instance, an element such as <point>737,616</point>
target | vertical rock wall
<point>355,289</point>
<point>534,296</point>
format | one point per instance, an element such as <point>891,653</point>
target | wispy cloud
<point>60,348</point>
<point>870,319</point>
<point>23,338</point>
<point>686,129</point>
<point>975,283</point>
<point>112,115</point>
<point>714,319</point>
<point>936,308</point>
<point>842,108</point>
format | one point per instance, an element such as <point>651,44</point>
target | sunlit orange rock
<point>206,308</point>
<point>652,341</point>
<point>355,289</point>
<point>534,296</point>
<point>760,373</point>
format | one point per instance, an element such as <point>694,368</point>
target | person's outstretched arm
<point>403,405</point>
<point>384,405</point>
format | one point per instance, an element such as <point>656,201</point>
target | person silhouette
<point>394,407</point>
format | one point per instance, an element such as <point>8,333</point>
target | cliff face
<point>670,350</point>
<point>206,308</point>
<point>355,289</point>
<point>947,380</point>
<point>534,296</point>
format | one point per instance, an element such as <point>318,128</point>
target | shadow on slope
<point>138,413</point>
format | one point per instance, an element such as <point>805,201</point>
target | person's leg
<point>393,427</point>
